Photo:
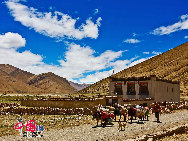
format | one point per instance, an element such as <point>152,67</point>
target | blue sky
<point>85,40</point>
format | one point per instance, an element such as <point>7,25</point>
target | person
<point>156,110</point>
<point>146,112</point>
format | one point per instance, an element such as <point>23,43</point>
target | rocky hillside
<point>9,84</point>
<point>16,72</point>
<point>15,80</point>
<point>172,65</point>
<point>51,83</point>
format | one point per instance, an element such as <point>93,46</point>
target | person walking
<point>156,110</point>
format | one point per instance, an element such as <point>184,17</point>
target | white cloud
<point>55,24</point>
<point>146,52</point>
<point>156,53</point>
<point>131,41</point>
<point>96,77</point>
<point>117,66</point>
<point>11,40</point>
<point>186,37</point>
<point>181,25</point>
<point>78,60</point>
<point>21,60</point>
<point>9,43</point>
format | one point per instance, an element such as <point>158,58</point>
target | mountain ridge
<point>15,80</point>
<point>172,65</point>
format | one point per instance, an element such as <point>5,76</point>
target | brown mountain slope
<point>172,65</point>
<point>16,72</point>
<point>15,80</point>
<point>51,83</point>
<point>8,84</point>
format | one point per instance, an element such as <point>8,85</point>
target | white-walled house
<point>143,88</point>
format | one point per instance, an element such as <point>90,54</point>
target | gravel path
<point>88,133</point>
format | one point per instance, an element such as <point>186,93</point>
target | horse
<point>136,112</point>
<point>132,112</point>
<point>106,118</point>
<point>120,111</point>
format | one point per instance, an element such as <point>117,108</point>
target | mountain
<point>9,84</point>
<point>16,72</point>
<point>172,65</point>
<point>15,80</point>
<point>51,83</point>
<point>78,86</point>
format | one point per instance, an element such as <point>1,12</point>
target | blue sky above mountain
<point>85,40</point>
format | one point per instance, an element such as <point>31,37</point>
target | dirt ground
<point>88,132</point>
<point>179,137</point>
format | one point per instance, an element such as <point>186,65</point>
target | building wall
<point>163,92</point>
<point>157,90</point>
<point>124,89</point>
<point>137,102</point>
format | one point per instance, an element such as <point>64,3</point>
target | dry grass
<point>7,122</point>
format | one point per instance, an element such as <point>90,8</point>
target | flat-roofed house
<point>124,90</point>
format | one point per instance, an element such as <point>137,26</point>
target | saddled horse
<point>118,111</point>
<point>102,114</point>
<point>133,112</point>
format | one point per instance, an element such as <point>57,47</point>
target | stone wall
<point>63,103</point>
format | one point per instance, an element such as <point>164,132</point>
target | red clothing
<point>106,115</point>
<point>156,108</point>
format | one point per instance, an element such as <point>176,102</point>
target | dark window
<point>167,89</point>
<point>172,89</point>
<point>143,88</point>
<point>131,88</point>
<point>118,89</point>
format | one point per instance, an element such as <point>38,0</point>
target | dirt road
<point>88,133</point>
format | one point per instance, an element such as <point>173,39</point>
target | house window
<point>131,88</point>
<point>167,89</point>
<point>143,88</point>
<point>118,89</point>
<point>172,89</point>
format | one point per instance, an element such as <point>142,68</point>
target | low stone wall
<point>165,133</point>
<point>63,103</point>
<point>137,102</point>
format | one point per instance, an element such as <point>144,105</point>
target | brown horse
<point>133,112</point>
<point>120,111</point>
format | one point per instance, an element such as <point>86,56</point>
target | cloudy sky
<point>86,40</point>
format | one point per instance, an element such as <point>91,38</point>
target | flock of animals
<point>130,112</point>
